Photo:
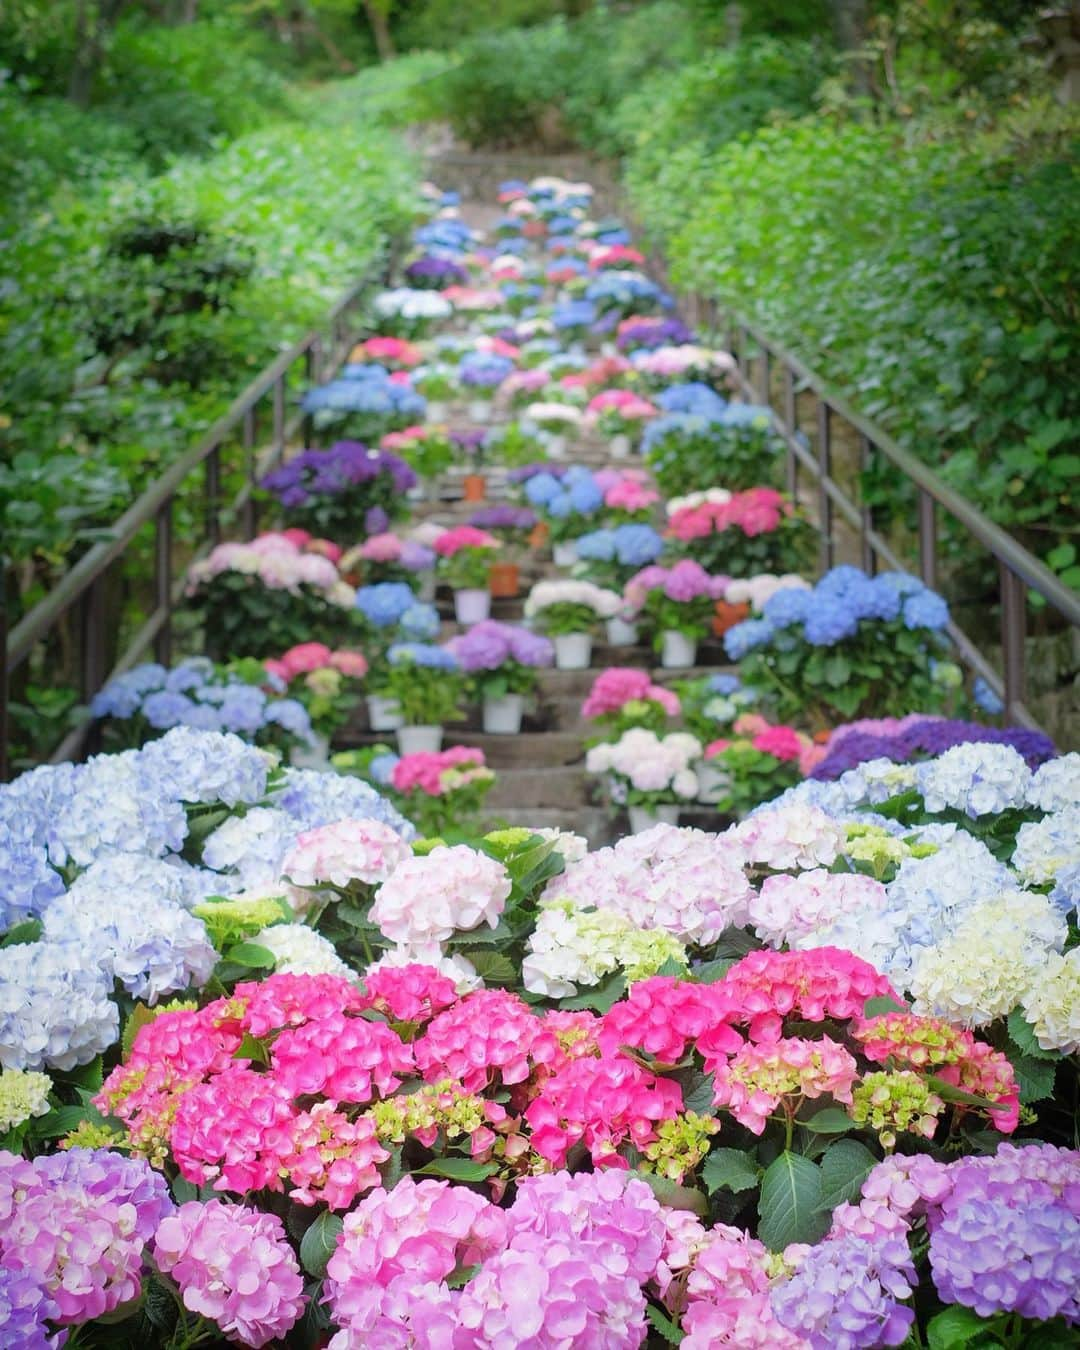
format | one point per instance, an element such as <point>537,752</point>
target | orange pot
<point>538,535</point>
<point>727,616</point>
<point>504,580</point>
<point>475,487</point>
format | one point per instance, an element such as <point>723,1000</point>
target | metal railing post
<point>163,544</point>
<point>927,538</point>
<point>825,505</point>
<point>791,420</point>
<point>4,681</point>
<point>1013,638</point>
<point>213,495</point>
<point>766,387</point>
<point>279,417</point>
<point>866,512</point>
<point>249,511</point>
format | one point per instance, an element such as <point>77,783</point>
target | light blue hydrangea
<point>28,885</point>
<point>383,603</point>
<point>420,623</point>
<point>249,849</point>
<point>312,799</point>
<point>55,1009</point>
<point>200,766</point>
<point>1055,785</point>
<point>977,778</point>
<point>119,804</point>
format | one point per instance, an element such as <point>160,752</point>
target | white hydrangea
<point>299,950</point>
<point>251,847</point>
<point>1055,785</point>
<point>1052,1004</point>
<point>978,778</point>
<point>428,899</point>
<point>1044,847</point>
<point>788,906</point>
<point>22,1096</point>
<point>55,1007</point>
<point>572,946</point>
<point>990,963</point>
<point>573,847</point>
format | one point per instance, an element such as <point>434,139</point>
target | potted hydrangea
<point>650,775</point>
<point>677,604</point>
<point>384,607</point>
<point>501,661</point>
<point>622,697</point>
<point>618,416</point>
<point>427,451</point>
<point>435,382</point>
<point>326,682</point>
<point>409,312</point>
<point>441,791</point>
<point>759,762</point>
<point>480,374</point>
<point>559,422</point>
<point>568,612</point>
<point>746,533</point>
<point>390,557</point>
<point>465,558</point>
<point>345,490</point>
<point>511,525</point>
<point>425,682</point>
<point>610,557</point>
<point>569,502</point>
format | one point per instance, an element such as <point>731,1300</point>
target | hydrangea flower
<point>234,1266</point>
<point>22,1096</point>
<point>346,851</point>
<point>977,779</point>
<point>571,946</point>
<point>299,950</point>
<point>1055,786</point>
<point>55,1007</point>
<point>428,899</point>
<point>1052,1003</point>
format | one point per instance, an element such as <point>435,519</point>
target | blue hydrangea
<point>199,766</point>
<point>291,715</point>
<point>385,602</point>
<point>189,674</point>
<point>692,398</point>
<point>925,609</point>
<point>573,314</point>
<point>166,709</point>
<point>120,804</point>
<point>382,768</point>
<point>985,698</point>
<point>27,883</point>
<point>243,709</point>
<point>789,605</point>
<point>420,622</point>
<point>422,654</point>
<point>829,621</point>
<point>585,496</point>
<point>250,849</point>
<point>598,546</point>
<point>746,637</point>
<point>542,488</point>
<point>724,684</point>
<point>314,799</point>
<point>55,1006</point>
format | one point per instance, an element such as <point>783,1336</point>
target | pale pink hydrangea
<point>650,763</point>
<point>685,881</point>
<point>623,684</point>
<point>608,1207</point>
<point>347,850</point>
<point>428,899</point>
<point>790,906</point>
<point>234,1266</point>
<point>491,1032</point>
<point>422,1229</point>
<point>793,836</point>
<point>401,1315</point>
<point>747,1323</point>
<point>545,1294</point>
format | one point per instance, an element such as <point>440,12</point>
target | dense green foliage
<point>901,217</point>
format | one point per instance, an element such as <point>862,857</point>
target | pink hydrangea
<point>385,547</point>
<point>753,1082</point>
<point>285,1000</point>
<point>746,1322</point>
<point>790,836</point>
<point>609,1207</point>
<point>426,770</point>
<point>619,685</point>
<point>488,1036</point>
<point>332,1159</point>
<point>627,495</point>
<point>305,656</point>
<point>428,899</point>
<point>347,850</point>
<point>400,1315</point>
<point>782,742</point>
<point>347,1059</point>
<point>234,1266</point>
<point>350,663</point>
<point>233,1131</point>
<point>729,1264</point>
<point>664,1017</point>
<point>765,987</point>
<point>545,1294</point>
<point>602,1103</point>
<point>788,907</point>
<point>463,536</point>
<point>412,993</point>
<point>422,1229</point>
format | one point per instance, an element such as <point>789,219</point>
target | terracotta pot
<point>475,487</point>
<point>538,535</point>
<point>727,616</point>
<point>504,580</point>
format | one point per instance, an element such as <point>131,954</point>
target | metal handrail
<point>322,351</point>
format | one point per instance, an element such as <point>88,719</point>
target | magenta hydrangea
<point>489,1033</point>
<point>234,1266</point>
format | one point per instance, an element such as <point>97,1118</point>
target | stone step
<point>561,787</point>
<point>527,750</point>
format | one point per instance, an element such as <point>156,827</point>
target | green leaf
<point>27,931</point>
<point>1022,1035</point>
<point>599,999</point>
<point>789,1207</point>
<point>698,1092</point>
<point>878,1007</point>
<point>664,1325</point>
<point>252,1048</point>
<point>457,1169</point>
<point>61,1120</point>
<point>832,1120</point>
<point>1034,1077</point>
<point>139,1016</point>
<point>729,1168</point>
<point>318,1243</point>
<point>954,1328</point>
<point>710,971</point>
<point>845,1165</point>
<point>253,955</point>
<point>673,1195</point>
<point>492,967</point>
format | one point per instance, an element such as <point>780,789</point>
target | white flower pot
<point>713,783</point>
<point>417,740</point>
<point>619,446</point>
<point>417,493</point>
<point>573,651</point>
<point>480,410</point>
<point>565,554</point>
<point>555,445</point>
<point>314,756</point>
<point>426,588</point>
<point>471,606</point>
<point>645,817</point>
<point>502,716</point>
<point>384,714</point>
<point>678,651</point>
<point>621,633</point>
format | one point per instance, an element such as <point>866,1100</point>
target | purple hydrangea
<point>651,333</point>
<point>434,273</point>
<point>346,464</point>
<point>24,1309</point>
<point>490,645</point>
<point>504,517</point>
<point>925,737</point>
